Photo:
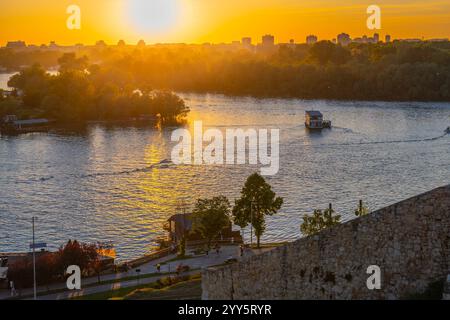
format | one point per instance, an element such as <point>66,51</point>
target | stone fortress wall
<point>409,241</point>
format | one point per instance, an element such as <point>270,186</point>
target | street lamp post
<point>34,264</point>
<point>138,271</point>
<point>251,224</point>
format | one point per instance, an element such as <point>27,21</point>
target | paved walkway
<point>197,262</point>
<point>64,295</point>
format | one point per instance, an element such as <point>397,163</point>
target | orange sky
<point>197,21</point>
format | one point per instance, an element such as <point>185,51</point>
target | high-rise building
<point>311,39</point>
<point>100,43</point>
<point>438,40</point>
<point>247,41</point>
<point>387,38</point>
<point>411,40</point>
<point>16,44</point>
<point>376,37</point>
<point>268,40</point>
<point>343,39</point>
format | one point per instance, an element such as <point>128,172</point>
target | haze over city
<point>189,21</point>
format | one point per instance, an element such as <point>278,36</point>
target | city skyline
<point>267,39</point>
<point>187,21</point>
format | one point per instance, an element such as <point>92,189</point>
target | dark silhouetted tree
<point>210,217</point>
<point>319,221</point>
<point>257,200</point>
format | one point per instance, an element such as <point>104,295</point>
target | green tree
<point>69,61</point>
<point>257,200</point>
<point>210,216</point>
<point>10,105</point>
<point>322,52</point>
<point>102,93</point>
<point>362,210</point>
<point>170,107</point>
<point>33,82</point>
<point>319,221</point>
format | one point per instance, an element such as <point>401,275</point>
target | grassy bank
<point>176,288</point>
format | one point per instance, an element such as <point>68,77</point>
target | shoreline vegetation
<point>81,93</point>
<point>398,71</point>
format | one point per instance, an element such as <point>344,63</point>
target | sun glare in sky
<point>156,16</point>
<point>197,21</point>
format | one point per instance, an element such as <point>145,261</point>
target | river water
<point>4,78</point>
<point>117,184</point>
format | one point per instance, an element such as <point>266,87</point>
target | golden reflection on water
<point>156,194</point>
<point>118,184</point>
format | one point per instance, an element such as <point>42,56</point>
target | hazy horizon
<point>255,41</point>
<point>214,21</point>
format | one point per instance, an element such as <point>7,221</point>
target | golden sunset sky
<point>198,21</point>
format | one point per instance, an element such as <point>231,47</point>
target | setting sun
<point>155,16</point>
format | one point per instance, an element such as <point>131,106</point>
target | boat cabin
<point>314,120</point>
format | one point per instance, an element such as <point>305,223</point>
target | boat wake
<point>346,130</point>
<point>386,142</point>
<point>161,165</point>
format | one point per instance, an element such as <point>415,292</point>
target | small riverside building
<point>181,224</point>
<point>11,124</point>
